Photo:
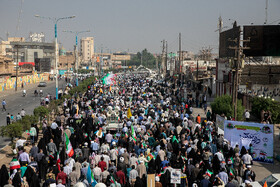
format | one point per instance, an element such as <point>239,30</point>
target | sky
<point>132,25</point>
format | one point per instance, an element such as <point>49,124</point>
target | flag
<point>126,135</point>
<point>184,158</point>
<point>112,180</point>
<point>58,161</point>
<point>144,145</point>
<point>90,177</point>
<point>265,184</point>
<point>133,134</point>
<point>129,113</point>
<point>14,164</point>
<point>231,172</point>
<point>174,139</point>
<point>209,173</point>
<point>161,173</point>
<point>69,149</point>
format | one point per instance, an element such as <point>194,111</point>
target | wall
<point>7,83</point>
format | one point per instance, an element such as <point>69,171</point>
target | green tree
<point>12,131</point>
<point>223,105</point>
<point>148,59</point>
<point>266,104</point>
<point>41,111</point>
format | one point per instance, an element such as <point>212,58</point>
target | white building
<point>87,50</point>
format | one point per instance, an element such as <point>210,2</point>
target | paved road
<point>15,102</point>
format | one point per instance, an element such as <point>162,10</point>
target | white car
<point>272,180</point>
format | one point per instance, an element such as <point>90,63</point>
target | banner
<point>246,133</point>
<point>220,121</point>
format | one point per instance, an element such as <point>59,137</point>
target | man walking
<point>4,105</point>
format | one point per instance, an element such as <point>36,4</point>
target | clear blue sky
<point>122,25</point>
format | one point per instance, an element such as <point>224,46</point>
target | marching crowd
<point>156,132</point>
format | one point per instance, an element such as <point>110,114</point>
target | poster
<point>175,176</point>
<point>246,133</point>
<point>220,121</point>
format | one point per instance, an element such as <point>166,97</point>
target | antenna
<point>266,6</point>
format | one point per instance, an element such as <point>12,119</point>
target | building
<point>67,61</point>
<point>87,50</point>
<point>27,53</point>
<point>6,66</point>
<point>118,58</point>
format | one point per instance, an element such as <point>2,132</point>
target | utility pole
<point>236,69</point>
<point>16,69</point>
<point>266,6</point>
<point>196,69</point>
<point>166,56</point>
<point>163,58</point>
<point>156,63</point>
<point>180,55</point>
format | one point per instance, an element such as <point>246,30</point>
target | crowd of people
<point>156,132</point>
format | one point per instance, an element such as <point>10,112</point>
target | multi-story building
<point>87,50</point>
<point>27,53</point>
<point>67,61</point>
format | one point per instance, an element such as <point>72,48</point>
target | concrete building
<point>87,50</point>
<point>27,52</point>
<point>67,61</point>
<point>6,66</point>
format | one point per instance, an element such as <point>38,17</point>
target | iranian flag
<point>112,180</point>
<point>209,173</point>
<point>58,160</point>
<point>161,173</point>
<point>69,149</point>
<point>231,172</point>
<point>14,164</point>
<point>133,134</point>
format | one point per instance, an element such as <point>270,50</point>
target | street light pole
<point>76,51</point>
<point>55,20</point>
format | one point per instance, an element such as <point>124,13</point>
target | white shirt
<point>247,159</point>
<point>20,142</point>
<point>247,114</point>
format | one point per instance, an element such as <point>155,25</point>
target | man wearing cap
<point>249,174</point>
<point>85,150</point>
<point>141,169</point>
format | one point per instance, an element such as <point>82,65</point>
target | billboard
<point>264,40</point>
<point>43,64</point>
<point>246,133</point>
<point>225,43</point>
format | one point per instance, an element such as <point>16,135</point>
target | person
<point>59,183</point>
<point>208,115</point>
<point>22,113</point>
<point>18,117</point>
<point>4,104</point>
<point>33,133</point>
<point>24,158</point>
<point>23,93</point>
<point>247,159</point>
<point>198,119</point>
<point>35,92</point>
<point>8,119</point>
<point>247,115</point>
<point>133,174</point>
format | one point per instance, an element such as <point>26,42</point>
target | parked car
<point>272,180</point>
<point>42,84</point>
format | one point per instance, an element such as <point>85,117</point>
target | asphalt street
<point>16,102</point>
